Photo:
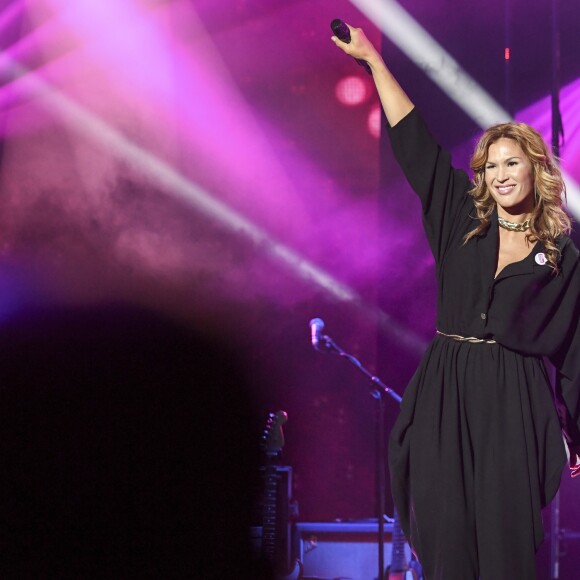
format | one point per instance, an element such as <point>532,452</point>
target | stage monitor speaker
<point>345,550</point>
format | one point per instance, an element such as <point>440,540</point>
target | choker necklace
<point>513,227</point>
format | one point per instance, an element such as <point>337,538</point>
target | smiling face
<point>509,178</point>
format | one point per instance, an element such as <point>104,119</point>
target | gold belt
<point>471,339</point>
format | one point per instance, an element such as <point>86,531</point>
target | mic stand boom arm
<point>326,344</point>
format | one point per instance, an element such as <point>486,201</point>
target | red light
<point>506,54</point>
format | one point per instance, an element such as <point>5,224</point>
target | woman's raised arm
<point>394,100</point>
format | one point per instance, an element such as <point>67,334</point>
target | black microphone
<point>342,32</point>
<point>316,326</point>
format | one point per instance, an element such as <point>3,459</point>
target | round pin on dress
<point>541,259</point>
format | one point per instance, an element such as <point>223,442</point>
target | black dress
<point>477,449</point>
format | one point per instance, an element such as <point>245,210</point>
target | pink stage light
<point>352,91</point>
<point>374,121</point>
<point>10,14</point>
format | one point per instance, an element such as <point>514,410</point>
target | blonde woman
<point>477,449</point>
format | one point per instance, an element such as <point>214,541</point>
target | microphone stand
<point>326,344</point>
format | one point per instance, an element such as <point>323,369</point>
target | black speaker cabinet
<point>280,510</point>
<point>342,550</point>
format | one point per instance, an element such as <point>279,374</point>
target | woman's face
<point>509,178</point>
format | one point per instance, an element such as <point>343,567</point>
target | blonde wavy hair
<point>548,220</point>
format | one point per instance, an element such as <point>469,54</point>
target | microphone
<point>342,32</point>
<point>316,326</point>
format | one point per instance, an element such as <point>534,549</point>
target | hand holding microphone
<point>352,41</point>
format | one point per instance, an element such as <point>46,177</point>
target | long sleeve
<point>567,359</point>
<point>441,188</point>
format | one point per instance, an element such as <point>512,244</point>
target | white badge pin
<point>541,259</point>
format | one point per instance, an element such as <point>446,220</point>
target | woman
<point>477,450</point>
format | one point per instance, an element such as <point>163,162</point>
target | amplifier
<point>343,550</point>
<point>281,508</point>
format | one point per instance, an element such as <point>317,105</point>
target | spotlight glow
<point>171,181</point>
<point>374,121</point>
<point>352,91</point>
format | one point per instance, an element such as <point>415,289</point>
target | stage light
<point>351,91</point>
<point>374,121</point>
